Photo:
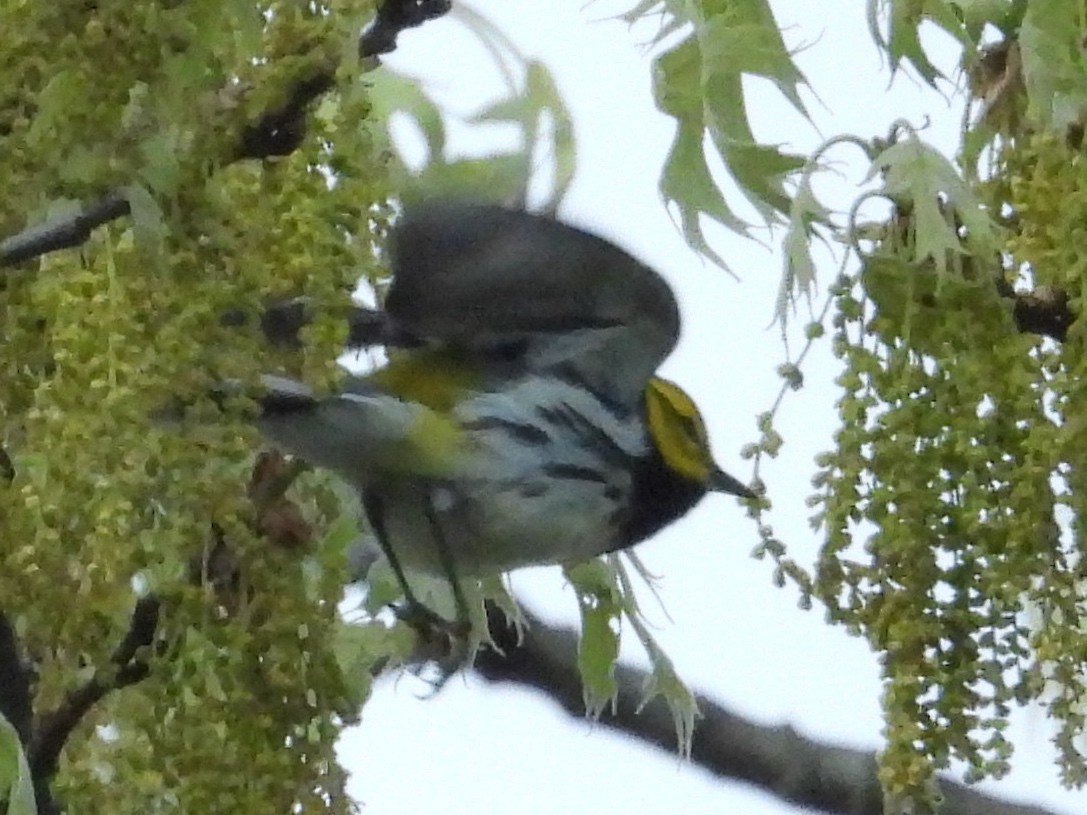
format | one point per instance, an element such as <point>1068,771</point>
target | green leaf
<point>526,110</point>
<point>16,784</point>
<point>799,273</point>
<point>161,168</point>
<point>964,21</point>
<point>391,92</point>
<point>916,172</point>
<point>498,178</point>
<point>340,535</point>
<point>148,223</point>
<point>64,91</point>
<point>83,165</point>
<point>699,83</point>
<point>494,591</point>
<point>904,42</point>
<point>663,681</point>
<point>1054,69</point>
<point>503,177</point>
<point>745,40</point>
<point>363,649</point>
<point>540,85</point>
<point>976,14</point>
<point>686,182</point>
<point>62,208</point>
<point>669,17</point>
<point>598,648</point>
<point>605,596</point>
<point>383,588</point>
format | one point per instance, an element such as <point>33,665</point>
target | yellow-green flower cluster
<point>108,501</point>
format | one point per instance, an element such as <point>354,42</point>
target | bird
<point>521,420</point>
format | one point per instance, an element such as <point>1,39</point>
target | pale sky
<point>476,748</point>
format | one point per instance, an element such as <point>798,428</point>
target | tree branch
<point>277,132</point>
<point>393,17</point>
<point>1044,311</point>
<point>63,232</point>
<point>280,323</point>
<point>16,705</point>
<point>280,131</point>
<point>46,743</point>
<point>777,760</point>
<point>15,702</point>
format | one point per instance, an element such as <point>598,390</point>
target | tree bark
<point>776,759</point>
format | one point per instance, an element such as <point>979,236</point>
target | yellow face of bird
<point>677,429</point>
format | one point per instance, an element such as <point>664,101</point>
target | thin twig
<point>281,324</point>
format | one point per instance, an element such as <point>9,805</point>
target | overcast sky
<point>475,748</point>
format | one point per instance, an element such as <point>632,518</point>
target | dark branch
<point>16,704</point>
<point>1044,311</point>
<point>279,132</point>
<point>393,17</point>
<point>775,759</point>
<point>130,666</point>
<point>280,323</point>
<point>15,681</point>
<point>63,232</point>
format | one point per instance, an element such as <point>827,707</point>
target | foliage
<point>106,505</point>
<point>16,785</point>
<point>531,107</point>
<point>698,83</point>
<point>952,503</point>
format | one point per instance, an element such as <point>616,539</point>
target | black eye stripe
<point>690,426</point>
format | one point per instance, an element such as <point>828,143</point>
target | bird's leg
<point>441,642</point>
<point>447,641</point>
<point>449,566</point>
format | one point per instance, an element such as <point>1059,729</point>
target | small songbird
<point>524,423</point>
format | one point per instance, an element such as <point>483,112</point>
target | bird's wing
<point>476,277</point>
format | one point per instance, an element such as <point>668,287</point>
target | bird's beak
<point>720,481</point>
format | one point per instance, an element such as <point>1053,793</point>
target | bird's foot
<point>442,646</point>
